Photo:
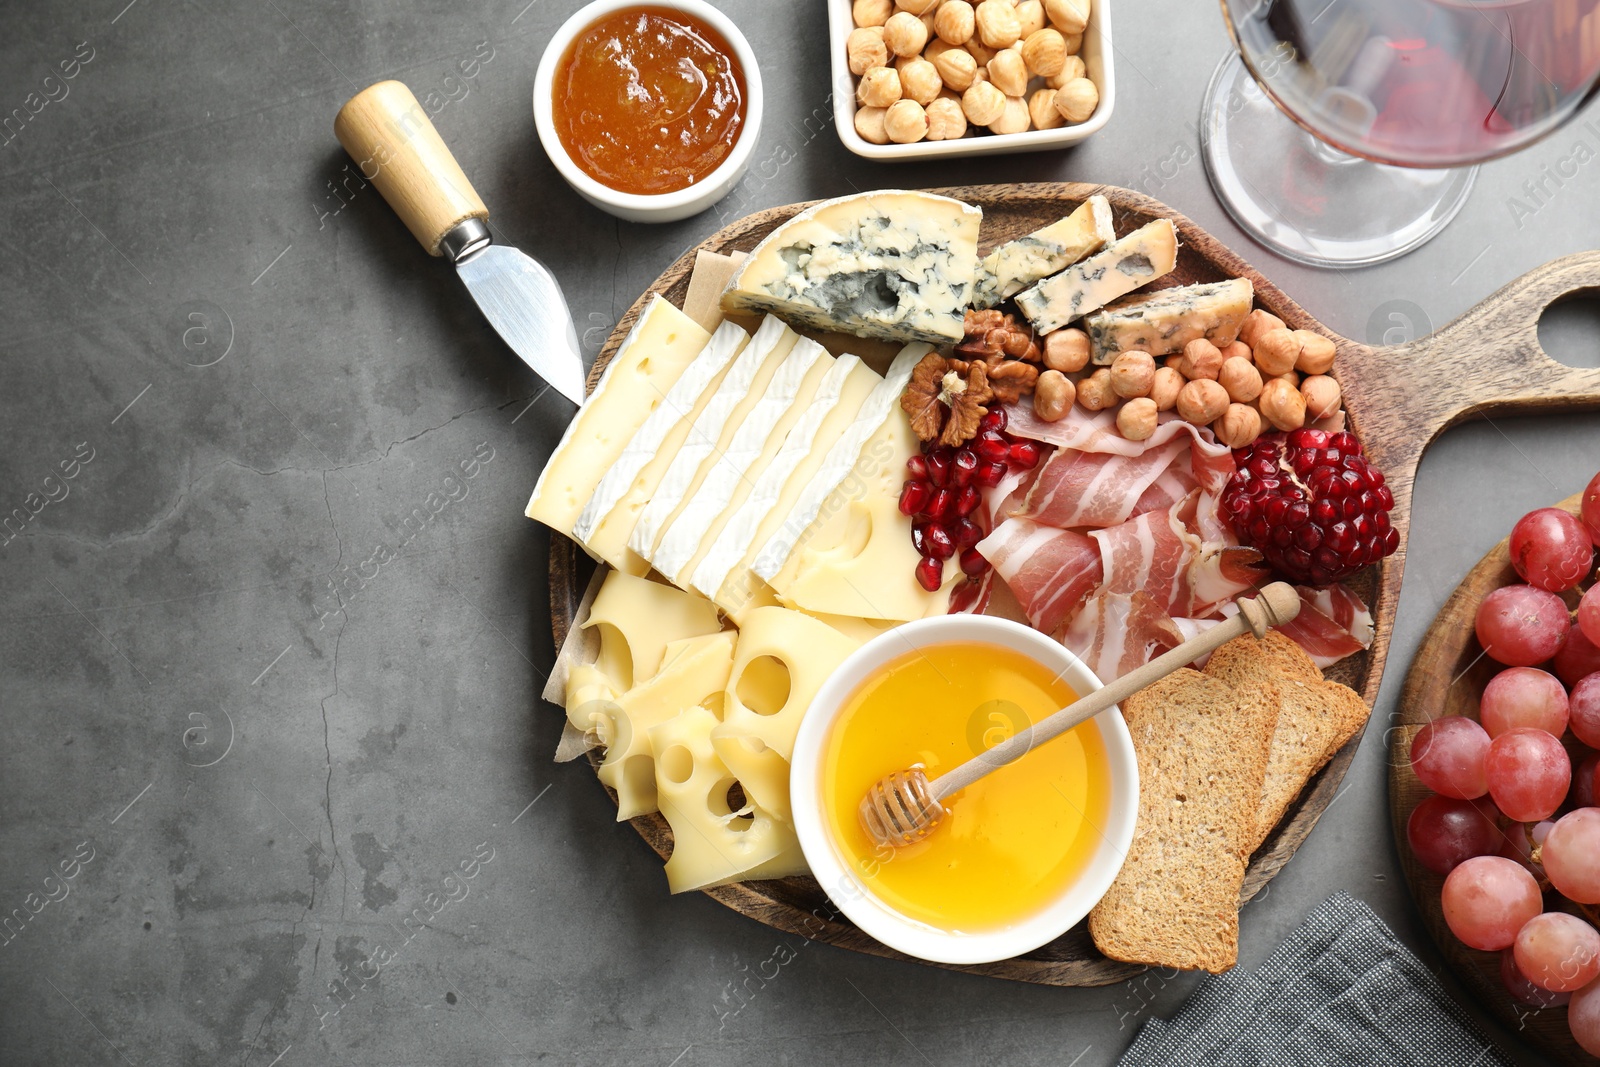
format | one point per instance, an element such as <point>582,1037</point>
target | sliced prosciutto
<point>1097,432</point>
<point>1318,628</point>
<point>1150,554</point>
<point>1049,571</point>
<point>1077,488</point>
<point>1119,632</point>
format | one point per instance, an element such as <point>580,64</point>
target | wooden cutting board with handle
<point>1399,398</point>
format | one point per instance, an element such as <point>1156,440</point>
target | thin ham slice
<point>1150,554</point>
<point>1119,632</point>
<point>1317,628</point>
<point>1175,483</point>
<point>1097,432</point>
<point>1049,571</point>
<point>1008,497</point>
<point>1098,488</point>
<point>971,597</point>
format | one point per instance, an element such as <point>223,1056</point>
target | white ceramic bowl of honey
<point>674,204</point>
<point>1026,851</point>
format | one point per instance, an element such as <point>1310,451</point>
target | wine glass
<point>1392,102</point>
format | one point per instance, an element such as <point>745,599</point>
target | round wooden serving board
<point>1447,678</point>
<point>1398,398</point>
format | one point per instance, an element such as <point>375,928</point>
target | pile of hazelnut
<point>938,70</point>
<point>1271,378</point>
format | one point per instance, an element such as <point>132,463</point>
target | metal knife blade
<point>521,300</point>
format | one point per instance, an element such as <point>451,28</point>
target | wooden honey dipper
<point>905,807</point>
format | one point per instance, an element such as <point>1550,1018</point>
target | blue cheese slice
<point>892,265</point>
<point>1142,256</point>
<point>1015,265</point>
<point>1162,322</point>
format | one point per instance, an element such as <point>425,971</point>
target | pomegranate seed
<point>930,573</point>
<point>940,545</point>
<point>940,461</point>
<point>994,421</point>
<point>965,533</point>
<point>1025,454</point>
<point>965,466</point>
<point>918,466</point>
<point>967,500</point>
<point>990,474</point>
<point>991,449</point>
<point>919,537</point>
<point>939,506</point>
<point>973,563</point>
<point>914,497</point>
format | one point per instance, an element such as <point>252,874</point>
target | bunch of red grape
<point>945,488</point>
<point>1516,815</point>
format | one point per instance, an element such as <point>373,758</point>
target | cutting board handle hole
<point>1569,329</point>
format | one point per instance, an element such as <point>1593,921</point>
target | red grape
<point>1487,899</point>
<point>1583,1018</point>
<point>1443,831</point>
<point>1571,855</point>
<point>1528,773</point>
<point>1448,756</point>
<point>1578,658</point>
<point>1518,986</point>
<point>1551,549</point>
<point>1585,777</point>
<point>1589,614</point>
<point>1584,706</point>
<point>1591,508</point>
<point>1558,952</point>
<point>1521,626</point>
<point>1523,696</point>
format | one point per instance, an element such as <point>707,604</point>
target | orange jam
<point>1013,841</point>
<point>649,100</point>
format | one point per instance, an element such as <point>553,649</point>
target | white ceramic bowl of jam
<point>1023,853</point>
<point>650,111</point>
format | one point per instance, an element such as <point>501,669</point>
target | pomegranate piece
<point>930,573</point>
<point>914,496</point>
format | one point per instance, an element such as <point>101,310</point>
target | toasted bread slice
<point>1244,661</point>
<point>1202,754</point>
<point>1315,719</point>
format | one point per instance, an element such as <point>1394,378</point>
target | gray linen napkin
<point>1340,990</point>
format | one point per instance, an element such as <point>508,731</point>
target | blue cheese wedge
<point>1015,265</point>
<point>896,266</point>
<point>1162,322</point>
<point>1142,256</point>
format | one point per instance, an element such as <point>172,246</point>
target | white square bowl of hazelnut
<point>922,79</point>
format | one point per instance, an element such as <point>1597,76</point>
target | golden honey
<point>1014,840</point>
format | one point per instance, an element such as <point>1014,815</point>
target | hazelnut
<point>1045,52</point>
<point>1282,405</point>
<point>1074,42</point>
<point>1066,350</point>
<point>1238,426</point>
<point>945,120</point>
<point>1069,16</point>
<point>978,51</point>
<point>904,34</point>
<point>1236,348</point>
<point>879,87</point>
<point>920,81</point>
<point>917,7</point>
<point>935,49</point>
<point>1175,362</point>
<point>982,102</point>
<point>1239,377</point>
<point>1030,18</point>
<point>1291,377</point>
<point>1053,395</point>
<point>1072,68</point>
<point>1042,110</point>
<point>1316,352</point>
<point>1275,351</point>
<point>1136,420</point>
<point>1201,359</point>
<point>870,124</point>
<point>906,122</point>
<point>997,23</point>
<point>1202,402</point>
<point>871,12</point>
<point>1014,119</point>
<point>1077,99</point>
<point>866,49</point>
<point>1132,374</point>
<point>1008,72</point>
<point>954,22</point>
<point>1164,387</point>
<point>1321,394</point>
<point>1095,392</point>
<point>1256,324</point>
<point>956,67</point>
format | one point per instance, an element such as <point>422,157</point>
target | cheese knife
<point>397,149</point>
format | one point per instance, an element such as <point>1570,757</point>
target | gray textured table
<point>268,378</point>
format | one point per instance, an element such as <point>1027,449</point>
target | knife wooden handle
<point>397,149</point>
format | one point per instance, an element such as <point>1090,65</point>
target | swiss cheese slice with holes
<point>592,702</point>
<point>631,481</point>
<point>638,619</point>
<point>694,673</point>
<point>782,659</point>
<point>657,351</point>
<point>712,843</point>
